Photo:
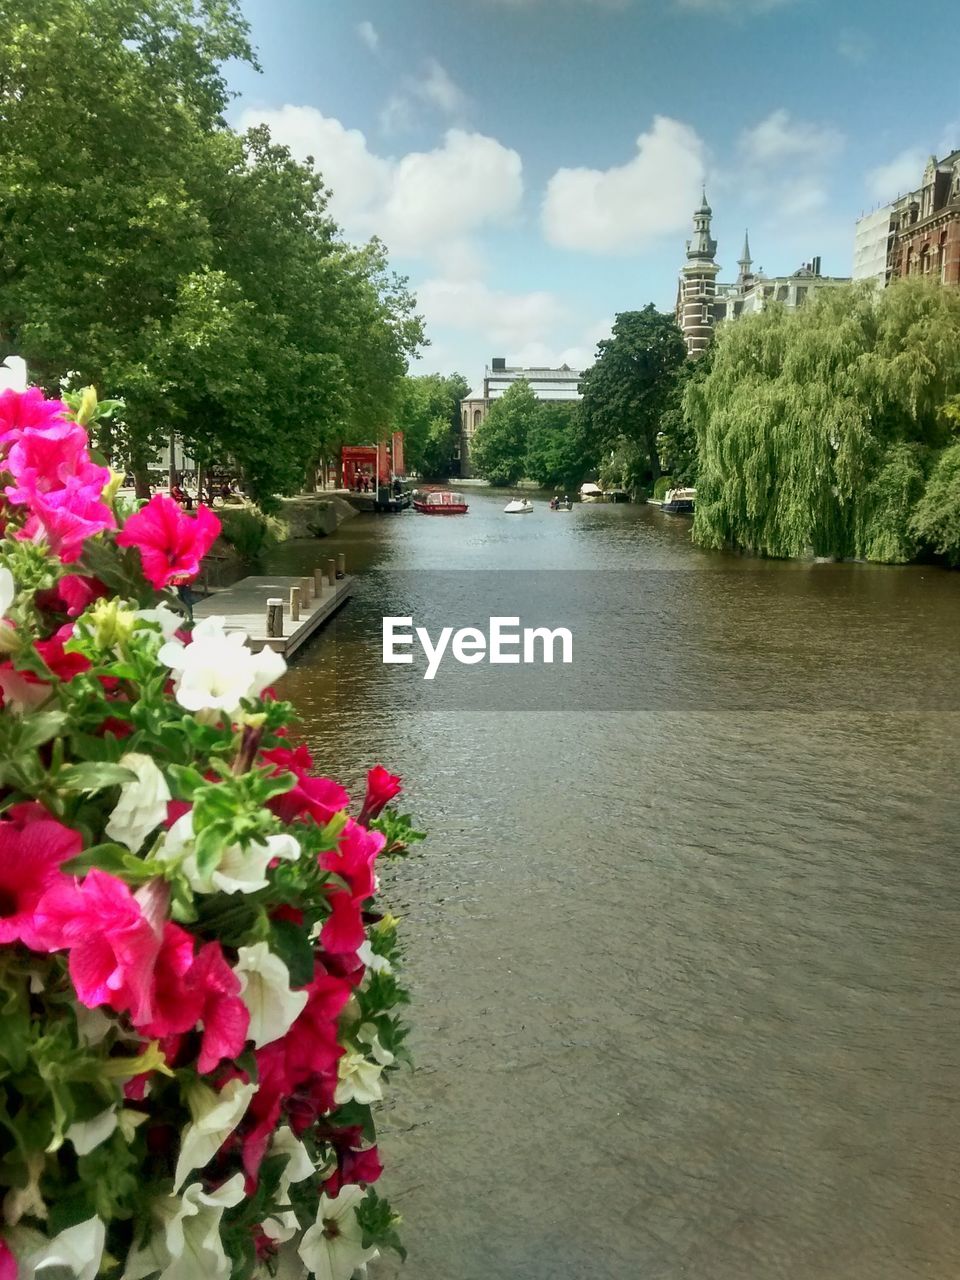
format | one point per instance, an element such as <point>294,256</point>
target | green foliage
<point>813,428</point>
<point>499,449</point>
<point>558,454</point>
<point>249,532</point>
<point>936,518</point>
<point>630,388</point>
<point>428,414</point>
<point>662,485</point>
<point>147,248</point>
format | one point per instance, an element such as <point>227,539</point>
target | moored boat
<point>679,502</point>
<point>591,492</point>
<point>518,507</point>
<point>440,502</point>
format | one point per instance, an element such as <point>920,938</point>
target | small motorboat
<point>561,504</point>
<point>679,502</point>
<point>439,502</point>
<point>518,507</point>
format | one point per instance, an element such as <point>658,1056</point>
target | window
<point>706,317</point>
<point>476,418</point>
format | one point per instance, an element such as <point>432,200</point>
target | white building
<point>561,384</point>
<point>871,245</point>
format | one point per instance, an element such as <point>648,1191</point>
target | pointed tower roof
<point>745,260</point>
<point>702,247</point>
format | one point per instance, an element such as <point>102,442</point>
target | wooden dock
<point>244,605</point>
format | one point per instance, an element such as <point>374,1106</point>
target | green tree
<point>631,386</point>
<point>499,451</point>
<point>558,452</point>
<point>428,414</point>
<point>816,429</point>
<point>936,518</point>
<point>150,250</point>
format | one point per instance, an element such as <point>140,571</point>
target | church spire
<point>745,262</point>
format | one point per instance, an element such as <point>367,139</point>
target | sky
<point>533,165</point>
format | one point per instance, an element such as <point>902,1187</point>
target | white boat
<point>518,507</point>
<point>679,502</point>
<point>591,492</point>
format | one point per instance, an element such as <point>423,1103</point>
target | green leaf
<point>39,728</point>
<point>93,775</point>
<point>291,944</point>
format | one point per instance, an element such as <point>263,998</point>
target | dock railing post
<point>306,591</point>
<point>332,572</point>
<point>341,565</point>
<point>294,604</point>
<point>318,581</point>
<point>274,617</point>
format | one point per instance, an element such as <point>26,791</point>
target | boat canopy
<point>590,487</point>
<point>441,498</point>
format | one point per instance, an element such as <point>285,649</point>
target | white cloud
<point>778,138</point>
<point>434,88</point>
<point>418,203</point>
<point>903,173</point>
<point>631,205</point>
<point>437,88</point>
<point>368,34</point>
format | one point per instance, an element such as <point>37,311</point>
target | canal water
<point>684,940</point>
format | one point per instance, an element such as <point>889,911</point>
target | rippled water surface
<point>685,966</point>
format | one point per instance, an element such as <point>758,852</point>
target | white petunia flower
<point>87,1134</point>
<point>216,670</point>
<point>8,591</point>
<point>188,1245</point>
<point>13,374</point>
<point>167,619</point>
<point>358,1079</point>
<point>332,1249</point>
<point>367,1034</point>
<point>265,990</point>
<point>77,1250</point>
<point>240,868</point>
<point>372,960</point>
<point>142,805</point>
<point>298,1166</point>
<point>215,1116</point>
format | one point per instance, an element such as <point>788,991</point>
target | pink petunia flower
<point>223,1013</point>
<point>20,410</point>
<point>8,1263</point>
<point>171,543</point>
<point>382,786</point>
<point>353,859</point>
<point>50,458</point>
<point>113,945</point>
<point>342,931</point>
<point>33,847</point>
<point>65,518</point>
<point>316,798</point>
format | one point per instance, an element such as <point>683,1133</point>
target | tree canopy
<point>631,386</point>
<point>150,250</point>
<point>428,414</point>
<point>499,447</point>
<point>817,430</point>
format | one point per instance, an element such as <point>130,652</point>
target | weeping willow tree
<point>816,430</point>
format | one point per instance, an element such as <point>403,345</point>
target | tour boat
<point>679,502</point>
<point>440,503</point>
<point>518,507</point>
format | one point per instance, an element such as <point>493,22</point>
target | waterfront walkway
<point>245,608</point>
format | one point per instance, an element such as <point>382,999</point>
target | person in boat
<point>566,501</point>
<point>554,502</point>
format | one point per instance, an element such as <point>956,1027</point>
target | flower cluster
<point>198,995</point>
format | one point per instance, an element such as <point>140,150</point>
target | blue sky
<point>533,164</point>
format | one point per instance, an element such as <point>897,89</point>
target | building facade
<point>703,301</point>
<point>561,384</point>
<point>918,234</point>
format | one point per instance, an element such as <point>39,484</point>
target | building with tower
<point>703,301</point>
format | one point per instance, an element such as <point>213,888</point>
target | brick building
<point>925,225</point>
